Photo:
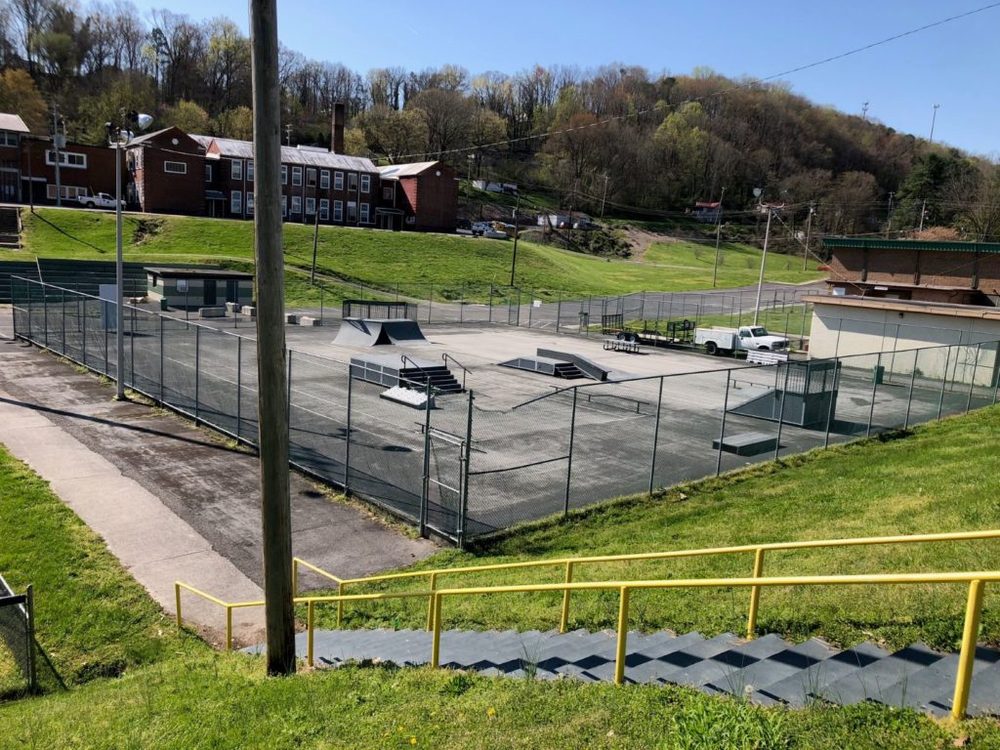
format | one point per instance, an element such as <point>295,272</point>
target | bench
<point>621,345</point>
<point>747,443</point>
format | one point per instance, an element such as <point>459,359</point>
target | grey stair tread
<point>782,664</point>
<point>798,688</point>
<point>722,672</point>
<point>984,695</point>
<point>870,683</point>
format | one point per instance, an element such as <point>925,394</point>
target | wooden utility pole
<point>272,397</point>
<point>805,249</point>
<point>312,273</point>
<point>513,260</point>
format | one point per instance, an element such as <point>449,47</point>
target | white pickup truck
<point>101,200</point>
<point>743,338</point>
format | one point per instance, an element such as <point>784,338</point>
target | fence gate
<point>17,630</point>
<point>444,480</point>
<point>514,307</point>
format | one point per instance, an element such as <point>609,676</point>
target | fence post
<point>944,383</point>
<point>197,370</point>
<point>430,601</point>
<point>309,633</point>
<point>425,484</point>
<point>564,615</point>
<point>622,643</point>
<point>62,318</point>
<point>461,303</point>
<point>490,319</point>
<point>758,571</point>
<point>967,656</point>
<point>656,436</point>
<point>340,604</point>
<point>871,409</point>
<point>83,325</point>
<point>347,437</point>
<point>131,347</point>
<point>463,509</point>
<point>436,637</point>
<point>322,295</point>
<point>45,313</point>
<point>239,386</point>
<point>781,412</point>
<point>105,316</point>
<point>430,303</point>
<point>996,372</point>
<point>569,462</point>
<point>558,312</point>
<point>30,627</point>
<point>288,398</point>
<point>722,429</point>
<point>161,360</point>
<point>972,380</point>
<point>531,307</point>
<point>909,393</point>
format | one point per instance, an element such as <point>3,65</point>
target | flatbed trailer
<point>674,333</point>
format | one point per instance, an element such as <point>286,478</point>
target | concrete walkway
<point>172,501</point>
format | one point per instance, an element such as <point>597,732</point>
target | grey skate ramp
<point>361,332</point>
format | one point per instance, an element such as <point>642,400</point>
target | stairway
<point>769,670</point>
<point>569,371</point>
<point>10,228</point>
<point>439,376</point>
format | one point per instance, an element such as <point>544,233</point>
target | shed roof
<point>13,123</point>
<point>395,171</point>
<point>872,243</point>
<point>197,273</point>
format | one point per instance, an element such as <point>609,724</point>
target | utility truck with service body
<point>745,338</point>
<point>100,200</point>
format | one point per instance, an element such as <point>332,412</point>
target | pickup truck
<point>101,200</point>
<point>743,338</point>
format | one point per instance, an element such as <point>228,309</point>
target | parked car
<point>101,200</point>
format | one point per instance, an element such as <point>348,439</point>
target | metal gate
<point>514,307</point>
<point>445,483</point>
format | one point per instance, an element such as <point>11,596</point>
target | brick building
<point>166,173</point>
<point>83,170</point>
<point>425,192</point>
<point>12,131</point>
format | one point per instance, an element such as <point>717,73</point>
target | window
<point>366,183</point>
<point>338,210</point>
<point>68,191</point>
<point>296,204</point>
<point>364,213</point>
<point>324,209</point>
<point>387,193</point>
<point>208,173</point>
<point>67,159</point>
<point>250,201</point>
<point>338,180</point>
<point>237,169</point>
<point>250,170</point>
<point>352,181</point>
<point>284,206</point>
<point>297,176</point>
<point>284,174</point>
<point>324,179</point>
<point>7,138</point>
<point>175,167</point>
<point>310,206</point>
<point>311,177</point>
<point>352,211</point>
<point>236,202</point>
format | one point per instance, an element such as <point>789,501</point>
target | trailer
<point>672,332</point>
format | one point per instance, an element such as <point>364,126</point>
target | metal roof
<point>395,171</point>
<point>311,157</point>
<point>13,123</point>
<point>881,244</point>
<point>197,273</point>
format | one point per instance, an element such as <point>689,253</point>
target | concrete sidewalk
<point>172,501</point>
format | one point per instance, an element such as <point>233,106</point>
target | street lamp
<point>120,134</point>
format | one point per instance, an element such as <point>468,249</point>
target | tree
<point>188,116</point>
<point>392,134</point>
<point>18,93</point>
<point>235,123</point>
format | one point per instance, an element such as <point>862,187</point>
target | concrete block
<point>308,321</point>
<point>291,319</point>
<point>233,307</point>
<point>211,312</point>
<point>249,310</point>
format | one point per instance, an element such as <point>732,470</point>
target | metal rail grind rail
<point>465,370</point>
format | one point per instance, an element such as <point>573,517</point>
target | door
<point>210,292</point>
<point>232,290</point>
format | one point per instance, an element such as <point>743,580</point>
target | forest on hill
<point>643,144</point>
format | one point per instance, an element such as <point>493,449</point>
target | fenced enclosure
<point>473,464</point>
<point>17,631</point>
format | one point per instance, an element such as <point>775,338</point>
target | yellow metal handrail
<point>571,564</point>
<point>229,607</point>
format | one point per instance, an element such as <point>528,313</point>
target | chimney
<point>337,143</point>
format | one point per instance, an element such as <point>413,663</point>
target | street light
<point>120,134</point>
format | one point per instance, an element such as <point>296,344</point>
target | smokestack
<point>337,143</point>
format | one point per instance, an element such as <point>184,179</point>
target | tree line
<point>640,143</point>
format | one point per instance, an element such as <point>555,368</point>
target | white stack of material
<point>408,397</point>
<point>307,321</point>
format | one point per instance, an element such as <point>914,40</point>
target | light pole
<point>718,232</point>
<point>513,260</point>
<point>119,135</point>
<point>763,257</point>
<point>933,120</point>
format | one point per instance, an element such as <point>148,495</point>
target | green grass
<point>942,477</point>
<point>93,619</point>
<point>417,264</point>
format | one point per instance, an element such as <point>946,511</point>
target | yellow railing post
<point>295,577</point>
<point>963,679</point>
<point>309,633</point>
<point>436,637</point>
<point>340,605</point>
<point>430,602</point>
<point>758,570</point>
<point>177,602</point>
<point>229,628</point>
<point>622,635</point>
<point>564,618</point>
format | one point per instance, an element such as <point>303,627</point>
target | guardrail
<point>571,565</point>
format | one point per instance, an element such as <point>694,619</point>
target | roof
<point>881,244</point>
<point>197,273</point>
<point>13,123</point>
<point>291,155</point>
<point>149,136</point>
<point>395,171</point>
<point>905,306</point>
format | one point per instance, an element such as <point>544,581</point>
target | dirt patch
<point>146,228</point>
<point>641,240</point>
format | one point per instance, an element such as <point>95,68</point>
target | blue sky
<point>952,65</point>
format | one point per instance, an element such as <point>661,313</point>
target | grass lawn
<point>452,265</point>
<point>942,477</point>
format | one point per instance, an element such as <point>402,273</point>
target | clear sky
<point>954,65</point>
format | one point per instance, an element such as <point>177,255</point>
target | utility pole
<point>809,223</point>
<point>513,260</point>
<point>718,233</point>
<point>272,395</point>
<point>604,198</point>
<point>933,121</point>
<point>288,135</point>
<point>864,112</point>
<point>312,274</point>
<point>55,147</point>
<point>923,213</point>
<point>763,260</point>
<point>888,216</point>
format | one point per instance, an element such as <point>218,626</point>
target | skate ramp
<point>360,332</point>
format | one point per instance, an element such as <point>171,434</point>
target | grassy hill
<point>415,262</point>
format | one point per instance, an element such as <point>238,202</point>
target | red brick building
<point>965,273</point>
<point>167,173</point>
<point>12,131</point>
<point>426,193</point>
<point>83,170</point>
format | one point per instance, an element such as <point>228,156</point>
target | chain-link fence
<point>17,631</point>
<point>459,469</point>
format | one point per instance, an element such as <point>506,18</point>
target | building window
<point>284,174</point>
<point>237,169</point>
<point>297,176</point>
<point>67,159</point>
<point>250,201</point>
<point>284,206</point>
<point>296,204</point>
<point>236,202</point>
<point>364,213</point>
<point>324,209</point>
<point>387,193</point>
<point>310,206</point>
<point>324,179</point>
<point>338,210</point>
<point>175,167</point>
<point>338,180</point>
<point>311,177</point>
<point>8,139</point>
<point>352,212</point>
<point>366,183</point>
<point>68,191</point>
<point>352,181</point>
<point>208,173</point>
<point>250,170</point>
